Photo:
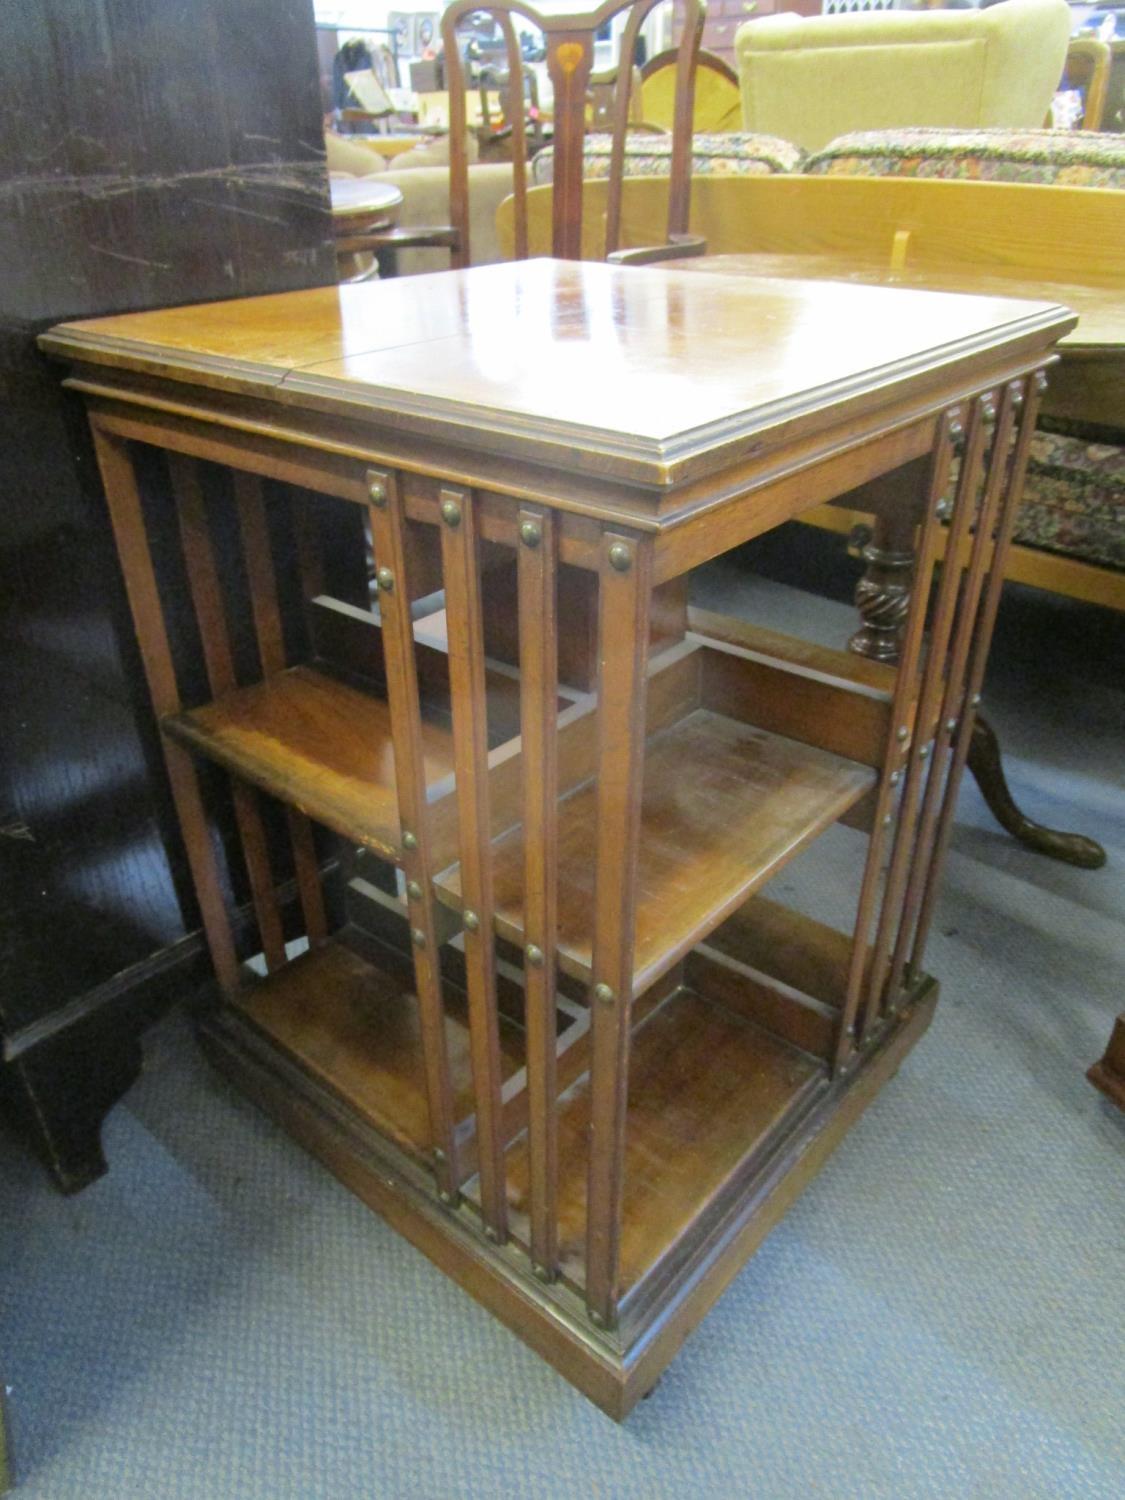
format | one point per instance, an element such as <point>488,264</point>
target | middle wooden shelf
<point>724,806</point>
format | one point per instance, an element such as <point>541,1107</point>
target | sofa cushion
<point>1072,158</point>
<point>1074,498</point>
<point>733,153</point>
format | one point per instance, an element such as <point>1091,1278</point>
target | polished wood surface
<point>707,1090</point>
<point>318,742</point>
<point>643,365</point>
<point>752,801</point>
<point>656,1062</point>
<point>1100,309</point>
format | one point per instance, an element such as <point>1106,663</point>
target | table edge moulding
<point>408,566</point>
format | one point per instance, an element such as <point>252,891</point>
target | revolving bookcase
<point>507,807</point>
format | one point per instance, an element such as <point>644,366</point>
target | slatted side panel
<point>1021,402</point>
<point>854,1020</point>
<point>126,514</point>
<point>953,706</point>
<point>388,535</point>
<point>919,758</point>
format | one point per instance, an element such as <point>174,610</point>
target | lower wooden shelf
<point>353,1025</point>
<point>709,1092</point>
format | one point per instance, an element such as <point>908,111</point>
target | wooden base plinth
<point>614,1369</point>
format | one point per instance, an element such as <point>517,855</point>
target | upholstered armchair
<point>812,78</point>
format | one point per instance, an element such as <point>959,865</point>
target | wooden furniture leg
<point>883,601</point>
<point>1109,1073</point>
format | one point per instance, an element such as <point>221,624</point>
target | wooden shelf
<point>318,744</point>
<point>354,1026</point>
<point>725,805</point>
<point>709,1092</point>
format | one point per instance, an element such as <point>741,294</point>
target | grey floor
<point>940,1315</point>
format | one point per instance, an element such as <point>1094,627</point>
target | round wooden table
<point>361,206</point>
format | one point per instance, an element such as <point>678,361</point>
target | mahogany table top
<point>1100,309</point>
<point>646,372</point>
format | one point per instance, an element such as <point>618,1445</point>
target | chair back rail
<point>570,57</point>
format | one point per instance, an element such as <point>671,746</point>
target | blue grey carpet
<point>941,1315</point>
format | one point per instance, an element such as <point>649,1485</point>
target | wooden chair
<point>570,57</point>
<point>717,103</point>
<point>1087,69</point>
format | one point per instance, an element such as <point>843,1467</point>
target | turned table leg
<point>883,598</point>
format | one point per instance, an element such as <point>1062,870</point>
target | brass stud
<point>419,937</point>
<point>469,920</point>
<point>439,1155</point>
<point>413,890</point>
<point>540,1272</point>
<point>533,955</point>
<point>451,512</point>
<point>903,734</point>
<point>895,778</point>
<point>988,408</point>
<point>888,820</point>
<point>409,841</point>
<point>491,1235</point>
<point>448,1198</point>
<point>923,752</point>
<point>974,701</point>
<point>1041,381</point>
<point>377,493</point>
<point>620,557</point>
<point>950,725</point>
<point>603,994</point>
<point>385,579</point>
<point>596,1318</point>
<point>530,535</point>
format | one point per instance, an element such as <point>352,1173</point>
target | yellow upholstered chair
<point>812,78</point>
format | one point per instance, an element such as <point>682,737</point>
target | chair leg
<point>882,598</point>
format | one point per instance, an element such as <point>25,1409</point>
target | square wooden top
<point>646,373</point>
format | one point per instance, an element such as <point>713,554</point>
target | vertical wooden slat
<point>388,535</point>
<point>458,132</point>
<point>262,579</point>
<point>126,515</point>
<point>952,705</point>
<point>1029,397</point>
<point>538,650</point>
<point>517,123</point>
<point>461,573</point>
<point>570,57</point>
<point>964,505</point>
<point>624,593</point>
<point>306,867</point>
<point>258,557</point>
<point>897,735</point>
<point>207,599</point>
